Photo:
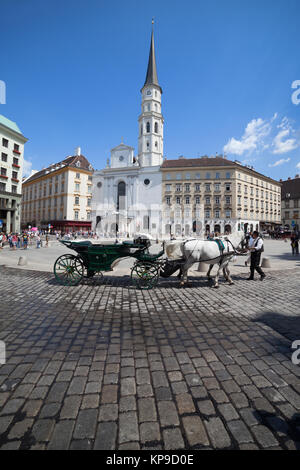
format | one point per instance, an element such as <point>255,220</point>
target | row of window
<point>207,200</point>
<point>197,176</point>
<point>4,159</point>
<point>287,204</point>
<point>14,189</point>
<point>54,215</point>
<point>197,187</point>
<point>148,128</point>
<point>257,193</point>
<point>14,174</point>
<point>41,203</point>
<point>5,143</point>
<point>262,183</point>
<point>28,194</point>
<point>292,215</point>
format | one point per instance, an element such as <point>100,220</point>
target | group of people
<point>22,240</point>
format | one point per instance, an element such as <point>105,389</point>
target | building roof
<point>291,187</point>
<point>78,161</point>
<point>10,124</point>
<point>151,76</point>
<point>205,161</point>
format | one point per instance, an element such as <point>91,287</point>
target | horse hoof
<point>216,287</point>
<point>231,283</point>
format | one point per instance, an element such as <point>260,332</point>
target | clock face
<point>121,158</point>
<point>148,92</point>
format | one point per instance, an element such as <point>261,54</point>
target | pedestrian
<point>295,244</point>
<point>1,241</point>
<point>47,240</point>
<point>250,242</point>
<point>256,250</point>
<point>38,241</point>
<point>14,241</point>
<point>25,241</point>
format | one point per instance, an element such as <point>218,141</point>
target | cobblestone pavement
<point>105,366</point>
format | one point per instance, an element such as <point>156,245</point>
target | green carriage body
<point>98,258</point>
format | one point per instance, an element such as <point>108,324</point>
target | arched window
<point>141,130</point>
<point>156,128</point>
<point>156,144</point>
<point>121,195</point>
<point>148,127</point>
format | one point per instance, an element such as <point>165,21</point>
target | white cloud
<point>298,165</point>
<point>284,146</point>
<point>279,162</point>
<point>256,130</point>
<point>27,167</point>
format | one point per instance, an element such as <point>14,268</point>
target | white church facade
<point>127,194</point>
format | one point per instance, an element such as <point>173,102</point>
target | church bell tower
<point>151,121</point>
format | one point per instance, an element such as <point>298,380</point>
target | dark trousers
<point>255,260</point>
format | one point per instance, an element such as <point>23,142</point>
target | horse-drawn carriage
<point>96,258</point>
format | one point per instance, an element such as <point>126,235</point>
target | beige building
<point>59,195</point>
<point>290,203</point>
<point>214,194</point>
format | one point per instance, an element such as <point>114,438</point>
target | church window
<point>156,144</point>
<point>141,130</point>
<point>156,128</point>
<point>155,93</point>
<point>121,195</point>
<point>155,107</point>
<point>148,127</point>
<point>146,222</point>
<point>148,145</point>
<point>148,107</point>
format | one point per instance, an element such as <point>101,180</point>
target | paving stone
<point>90,401</point>
<point>195,431</point>
<point>240,432</point>
<point>50,410</point>
<point>106,436</point>
<point>228,412</point>
<point>109,394</point>
<point>108,412</point>
<point>62,435</point>
<point>149,432</point>
<point>128,427</point>
<point>168,414</point>
<point>185,403</point>
<point>127,403</point>
<point>147,410</point>
<point>70,407</point>
<point>264,436</point>
<point>85,424</point>
<point>42,429</point>
<point>217,433</point>
<point>206,407</point>
<point>173,439</point>
<point>128,386</point>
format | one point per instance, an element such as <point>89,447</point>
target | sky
<point>73,71</point>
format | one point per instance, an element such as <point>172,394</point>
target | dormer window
<point>78,164</point>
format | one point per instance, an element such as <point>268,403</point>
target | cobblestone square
<point>106,366</point>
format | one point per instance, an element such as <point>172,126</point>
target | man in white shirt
<point>256,249</point>
<point>250,243</point>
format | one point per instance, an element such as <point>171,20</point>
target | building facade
<point>60,196</point>
<point>214,194</point>
<point>127,193</point>
<point>11,169</point>
<point>290,203</point>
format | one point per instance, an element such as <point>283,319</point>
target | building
<point>127,193</point>
<point>214,194</point>
<point>290,203</point>
<point>11,162</point>
<point>59,196</point>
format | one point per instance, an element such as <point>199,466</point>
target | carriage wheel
<point>68,270</point>
<point>145,275</point>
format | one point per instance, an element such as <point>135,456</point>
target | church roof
<point>151,77</point>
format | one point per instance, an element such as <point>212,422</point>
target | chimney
<point>77,151</point>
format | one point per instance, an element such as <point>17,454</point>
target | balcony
<point>15,165</point>
<point>17,151</point>
<point>4,177</point>
<point>15,180</point>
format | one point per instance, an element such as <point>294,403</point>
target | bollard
<point>265,263</point>
<point>22,261</point>
<point>202,268</point>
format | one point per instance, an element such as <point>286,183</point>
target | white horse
<point>207,251</point>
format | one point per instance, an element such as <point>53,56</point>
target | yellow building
<point>59,196</point>
<point>214,194</point>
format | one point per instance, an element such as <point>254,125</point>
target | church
<point>127,194</point>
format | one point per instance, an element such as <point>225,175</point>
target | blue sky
<point>73,72</point>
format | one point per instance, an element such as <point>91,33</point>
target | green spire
<point>151,77</point>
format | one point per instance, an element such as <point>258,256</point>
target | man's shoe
<point>262,277</point>
<point>250,279</point>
